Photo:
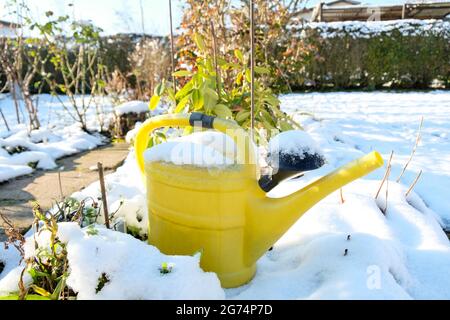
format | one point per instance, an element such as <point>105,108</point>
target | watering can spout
<point>272,217</point>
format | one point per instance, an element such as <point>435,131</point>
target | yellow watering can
<point>224,212</point>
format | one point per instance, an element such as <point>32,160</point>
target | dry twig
<point>419,135</point>
<point>15,237</point>
<point>60,186</point>
<point>413,184</point>
<point>386,175</point>
<point>4,120</point>
<point>342,195</point>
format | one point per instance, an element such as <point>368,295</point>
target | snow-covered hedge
<point>359,29</point>
<point>375,54</point>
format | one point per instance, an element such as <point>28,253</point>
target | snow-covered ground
<point>337,250</point>
<point>22,151</point>
<point>351,124</point>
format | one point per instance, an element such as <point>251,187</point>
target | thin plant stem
<point>252,66</point>
<point>61,194</point>
<point>419,134</point>
<point>413,184</point>
<point>386,174</point>
<point>4,120</point>
<point>172,48</point>
<point>341,192</point>
<point>216,65</point>
<point>387,191</point>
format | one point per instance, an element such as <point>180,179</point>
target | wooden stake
<point>386,174</point>
<point>103,191</point>
<point>172,48</point>
<point>252,66</point>
<point>419,134</point>
<point>413,184</point>
<point>4,120</point>
<point>216,65</point>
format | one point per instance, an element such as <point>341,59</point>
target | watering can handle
<point>195,119</point>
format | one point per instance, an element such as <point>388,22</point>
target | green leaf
<point>200,42</point>
<point>222,111</point>
<point>242,115</point>
<point>171,95</point>
<point>59,287</point>
<point>159,90</point>
<point>248,75</point>
<point>238,54</point>
<point>185,90</point>
<point>27,297</point>
<point>221,61</point>
<point>154,102</point>
<point>266,116</point>
<point>182,73</point>
<point>272,100</point>
<point>37,84</point>
<point>261,70</point>
<point>267,124</point>
<point>197,100</point>
<point>239,78</point>
<point>40,291</point>
<point>182,104</point>
<point>188,130</point>
<point>210,98</point>
<point>285,126</point>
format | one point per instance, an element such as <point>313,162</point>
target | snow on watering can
<point>224,212</point>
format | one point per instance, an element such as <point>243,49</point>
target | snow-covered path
<point>355,123</point>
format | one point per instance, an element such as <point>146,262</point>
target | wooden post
<point>404,11</point>
<point>252,67</point>
<point>172,50</point>
<point>103,191</point>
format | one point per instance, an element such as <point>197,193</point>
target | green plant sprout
<point>204,91</point>
<point>166,268</point>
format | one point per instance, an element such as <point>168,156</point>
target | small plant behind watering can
<point>205,91</point>
<point>48,267</point>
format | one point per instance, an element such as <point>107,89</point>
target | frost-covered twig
<point>413,184</point>
<point>386,175</point>
<point>419,134</point>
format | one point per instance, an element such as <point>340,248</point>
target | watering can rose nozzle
<point>224,212</point>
